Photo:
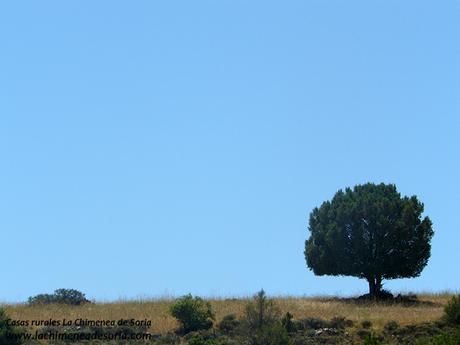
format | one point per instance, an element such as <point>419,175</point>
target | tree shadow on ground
<point>390,300</point>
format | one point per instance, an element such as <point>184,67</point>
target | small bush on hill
<point>391,326</point>
<point>262,324</point>
<point>425,330</point>
<point>371,339</point>
<point>168,339</point>
<point>229,324</point>
<point>261,312</point>
<point>60,296</point>
<point>363,333</point>
<point>193,313</point>
<point>446,338</point>
<point>452,311</point>
<point>209,339</point>
<point>272,334</point>
<point>287,323</point>
<point>70,296</point>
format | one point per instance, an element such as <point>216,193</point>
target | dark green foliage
<point>70,296</point>
<point>366,324</point>
<point>288,323</point>
<point>60,296</point>
<point>447,338</point>
<point>407,334</point>
<point>41,299</point>
<point>391,326</point>
<point>193,313</point>
<point>452,311</point>
<point>363,333</point>
<point>9,335</point>
<point>209,339</point>
<point>272,334</point>
<point>262,322</point>
<point>168,339</point>
<point>229,324</point>
<point>369,232</point>
<point>371,339</point>
<point>261,312</point>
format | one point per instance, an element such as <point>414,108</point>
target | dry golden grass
<point>158,310</point>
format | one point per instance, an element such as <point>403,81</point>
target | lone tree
<point>369,232</point>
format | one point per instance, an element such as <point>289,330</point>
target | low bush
<point>261,312</point>
<point>425,330</point>
<point>229,324</point>
<point>363,333</point>
<point>288,323</point>
<point>391,326</point>
<point>452,311</point>
<point>209,339</point>
<point>193,313</point>
<point>447,338</point>
<point>169,338</point>
<point>371,339</point>
<point>272,334</point>
<point>60,296</point>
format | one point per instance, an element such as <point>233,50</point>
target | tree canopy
<point>369,232</point>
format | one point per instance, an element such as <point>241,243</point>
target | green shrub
<point>391,326</point>
<point>70,296</point>
<point>363,333</point>
<point>420,331</point>
<point>169,338</point>
<point>261,312</point>
<point>272,334</point>
<point>229,324</point>
<point>287,323</point>
<point>452,311</point>
<point>193,313</point>
<point>445,338</point>
<point>9,335</point>
<point>201,339</point>
<point>60,296</point>
<point>371,339</point>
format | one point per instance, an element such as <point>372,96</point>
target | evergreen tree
<point>369,232</point>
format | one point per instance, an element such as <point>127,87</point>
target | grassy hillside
<point>429,308</point>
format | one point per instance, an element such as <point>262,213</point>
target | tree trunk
<point>371,288</point>
<point>378,285</point>
<point>375,286</point>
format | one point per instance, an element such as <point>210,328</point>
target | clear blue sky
<point>152,148</point>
